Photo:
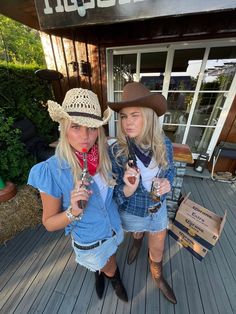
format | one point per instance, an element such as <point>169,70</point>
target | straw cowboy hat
<point>137,95</point>
<point>81,106</point>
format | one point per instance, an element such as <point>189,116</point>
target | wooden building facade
<point>115,46</point>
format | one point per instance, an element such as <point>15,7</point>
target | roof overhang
<point>23,11</point>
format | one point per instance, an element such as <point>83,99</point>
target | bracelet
<point>72,217</point>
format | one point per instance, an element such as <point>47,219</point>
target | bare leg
<point>156,243</point>
<point>138,235</point>
<point>110,268</point>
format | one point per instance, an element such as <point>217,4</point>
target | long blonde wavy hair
<point>64,151</point>
<point>151,136</point>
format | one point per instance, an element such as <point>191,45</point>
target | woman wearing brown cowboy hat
<point>85,208</point>
<point>141,189</point>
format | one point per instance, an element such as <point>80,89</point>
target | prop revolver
<point>85,177</point>
<point>132,161</point>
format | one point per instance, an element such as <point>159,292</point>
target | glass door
<point>197,79</point>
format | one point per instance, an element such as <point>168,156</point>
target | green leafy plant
<point>23,95</point>
<point>15,162</point>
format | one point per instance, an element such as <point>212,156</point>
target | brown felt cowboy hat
<point>80,106</point>
<point>137,95</point>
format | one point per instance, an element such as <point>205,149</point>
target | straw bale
<point>23,211</point>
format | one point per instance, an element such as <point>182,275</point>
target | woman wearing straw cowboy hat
<point>96,229</point>
<point>142,200</point>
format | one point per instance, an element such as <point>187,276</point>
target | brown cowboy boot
<point>134,250</point>
<point>156,270</point>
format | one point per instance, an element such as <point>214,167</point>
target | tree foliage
<point>19,43</point>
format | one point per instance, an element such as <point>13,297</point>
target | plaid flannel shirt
<point>138,203</point>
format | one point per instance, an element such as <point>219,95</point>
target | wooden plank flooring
<point>38,273</point>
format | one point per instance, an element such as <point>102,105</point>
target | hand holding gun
<point>85,177</point>
<point>132,161</point>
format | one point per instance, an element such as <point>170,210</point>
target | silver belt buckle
<point>154,209</point>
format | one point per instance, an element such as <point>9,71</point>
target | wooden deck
<point>38,273</point>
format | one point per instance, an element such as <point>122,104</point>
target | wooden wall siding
<point>62,52</point>
<point>82,56</point>
<point>93,59</point>
<point>51,61</point>
<point>228,134</point>
<point>102,51</point>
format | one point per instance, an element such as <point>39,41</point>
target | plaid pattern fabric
<point>138,203</point>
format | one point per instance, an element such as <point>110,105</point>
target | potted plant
<point>7,190</point>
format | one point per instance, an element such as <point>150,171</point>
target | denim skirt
<point>152,223</point>
<point>96,258</point>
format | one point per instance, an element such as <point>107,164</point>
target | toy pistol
<point>132,161</point>
<point>85,177</point>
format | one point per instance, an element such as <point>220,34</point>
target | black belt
<point>89,247</point>
<point>93,246</point>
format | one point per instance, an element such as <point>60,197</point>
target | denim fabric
<point>152,223</point>
<point>138,203</point>
<point>95,259</point>
<point>99,219</point>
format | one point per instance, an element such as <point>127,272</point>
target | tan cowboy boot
<point>134,250</point>
<point>156,270</point>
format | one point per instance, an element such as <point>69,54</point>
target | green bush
<point>15,162</point>
<point>22,95</point>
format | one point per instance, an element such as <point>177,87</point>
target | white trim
<point>138,64</point>
<point>110,88</point>
<point>120,50</point>
<point>167,77</point>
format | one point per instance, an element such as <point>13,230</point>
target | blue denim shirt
<point>99,218</point>
<point>138,203</point>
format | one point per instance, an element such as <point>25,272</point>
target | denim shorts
<point>96,258</point>
<point>152,223</point>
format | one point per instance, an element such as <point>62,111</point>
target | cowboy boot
<point>156,270</point>
<point>134,250</point>
<point>99,283</point>
<point>118,286</point>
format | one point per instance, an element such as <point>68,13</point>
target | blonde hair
<point>151,137</point>
<point>64,151</point>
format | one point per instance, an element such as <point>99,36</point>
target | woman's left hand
<point>162,185</point>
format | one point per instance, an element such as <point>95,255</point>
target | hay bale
<point>21,212</point>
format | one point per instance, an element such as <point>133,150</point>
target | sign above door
<point>72,13</point>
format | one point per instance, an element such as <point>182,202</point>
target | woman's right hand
<point>131,185</point>
<point>80,193</point>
